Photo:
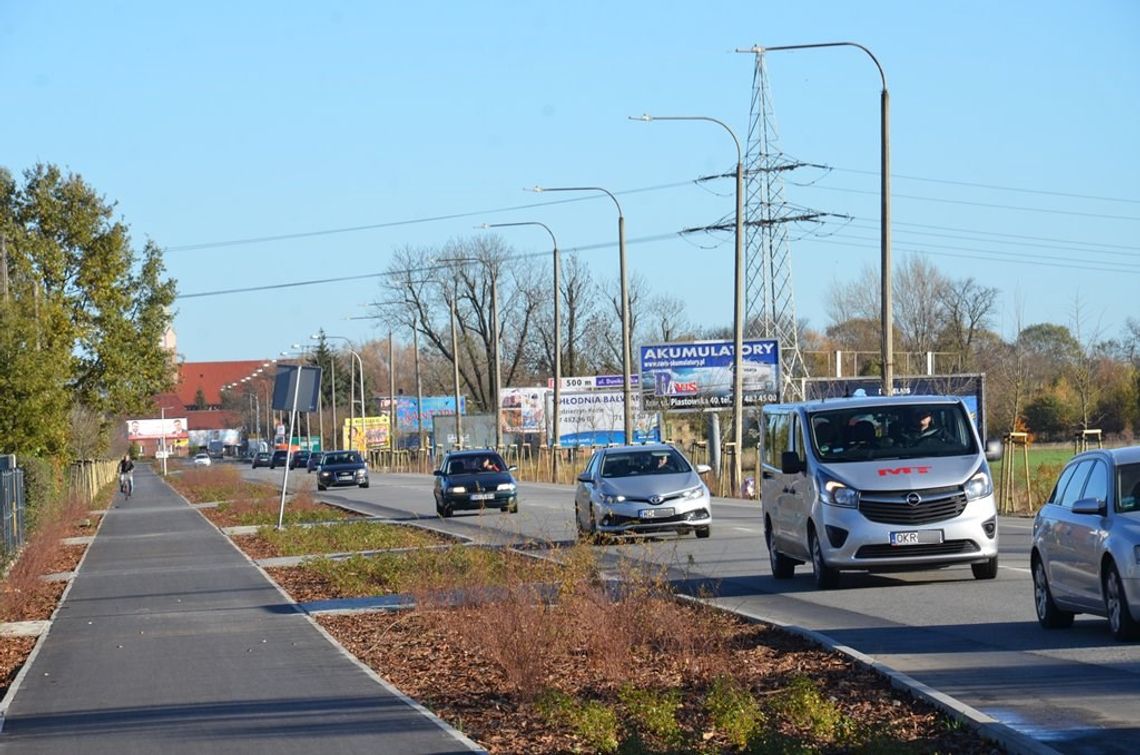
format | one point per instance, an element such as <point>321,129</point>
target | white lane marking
<point>750,530</point>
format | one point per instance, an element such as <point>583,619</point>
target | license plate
<point>482,496</point>
<point>655,513</point>
<point>916,537</point>
<point>344,476</point>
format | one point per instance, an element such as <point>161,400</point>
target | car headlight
<point>506,486</point>
<point>694,493</point>
<point>362,473</point>
<point>979,486</point>
<point>835,493</point>
<point>612,499</point>
<point>457,489</point>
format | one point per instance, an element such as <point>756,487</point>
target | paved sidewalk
<point>170,640</point>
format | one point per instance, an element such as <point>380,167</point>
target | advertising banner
<point>523,410</point>
<point>698,375</point>
<point>590,382</point>
<point>371,433</point>
<point>434,406</point>
<point>597,418</point>
<point>202,438</point>
<point>150,429</point>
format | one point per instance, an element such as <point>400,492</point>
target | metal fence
<point>12,508</point>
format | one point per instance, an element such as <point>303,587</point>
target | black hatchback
<point>474,480</point>
<point>342,468</point>
<point>279,458</point>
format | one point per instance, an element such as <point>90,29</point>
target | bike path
<point>171,640</point>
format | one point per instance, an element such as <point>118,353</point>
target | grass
<point>347,537</point>
<point>1045,465</point>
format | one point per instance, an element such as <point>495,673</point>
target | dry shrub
<point>522,635</point>
<point>23,587</point>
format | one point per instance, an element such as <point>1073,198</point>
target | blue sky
<point>1013,129</point>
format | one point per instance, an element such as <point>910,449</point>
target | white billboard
<point>597,418</point>
<point>171,428</point>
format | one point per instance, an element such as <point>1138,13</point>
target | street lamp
<point>628,417</point>
<point>738,295</point>
<point>557,337</point>
<point>352,395</point>
<point>887,346</point>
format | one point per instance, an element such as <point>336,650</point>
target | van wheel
<point>1048,614</point>
<point>782,566</point>
<point>703,531</point>
<point>985,570</point>
<point>826,577</point>
<point>1120,620</point>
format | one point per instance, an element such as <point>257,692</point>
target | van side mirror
<point>994,449</point>
<point>790,463</point>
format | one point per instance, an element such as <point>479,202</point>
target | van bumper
<point>852,542</point>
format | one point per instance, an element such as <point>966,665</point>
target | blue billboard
<point>698,375</point>
<point>433,406</point>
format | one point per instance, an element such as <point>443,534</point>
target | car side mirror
<point>703,469</point>
<point>513,468</point>
<point>584,478</point>
<point>437,472</point>
<point>994,449</point>
<point>1089,506</point>
<point>790,463</point>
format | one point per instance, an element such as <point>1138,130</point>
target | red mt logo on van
<point>902,470</point>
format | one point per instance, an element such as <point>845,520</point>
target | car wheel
<point>364,484</point>
<point>985,570</point>
<point>826,577</point>
<point>512,508</point>
<point>592,534</point>
<point>444,512</point>
<point>1120,620</point>
<point>703,532</point>
<point>322,487</point>
<point>1048,614</point>
<point>782,566</point>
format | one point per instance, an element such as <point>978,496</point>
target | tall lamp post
<point>625,346</point>
<point>887,345</point>
<point>738,294</point>
<point>352,398</point>
<point>557,338</point>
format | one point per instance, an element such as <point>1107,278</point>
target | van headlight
<point>835,493</point>
<point>978,486</point>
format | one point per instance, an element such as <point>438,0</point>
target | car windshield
<point>350,457</point>
<point>897,431</point>
<point>664,461</point>
<point>1128,488</point>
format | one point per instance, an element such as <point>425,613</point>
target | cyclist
<point>126,475</point>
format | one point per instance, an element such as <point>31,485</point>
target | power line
<point>1059,246</point>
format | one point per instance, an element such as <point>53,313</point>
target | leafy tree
<point>1049,415</point>
<point>81,315</point>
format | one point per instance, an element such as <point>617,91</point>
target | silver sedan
<point>641,490</point>
<point>1086,543</point>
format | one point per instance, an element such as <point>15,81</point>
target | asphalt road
<point>1076,690</point>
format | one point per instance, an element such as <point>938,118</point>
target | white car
<point>202,459</point>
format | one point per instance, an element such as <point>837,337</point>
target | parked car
<point>876,484</point>
<point>299,459</point>
<point>642,490</point>
<point>474,480</point>
<point>202,459</point>
<point>342,468</point>
<point>262,459</point>
<point>279,459</point>
<point>314,462</point>
<point>1085,554</point>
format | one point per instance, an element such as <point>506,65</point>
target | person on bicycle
<point>126,474</point>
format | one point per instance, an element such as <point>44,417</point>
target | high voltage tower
<point>770,303</point>
<point>769,300</point>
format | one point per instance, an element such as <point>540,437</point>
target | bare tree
<point>1083,369</point>
<point>919,312</point>
<point>668,322</point>
<point>856,300</point>
<point>969,308</point>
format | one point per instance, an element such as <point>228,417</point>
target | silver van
<point>876,484</point>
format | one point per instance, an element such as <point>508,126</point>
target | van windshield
<point>903,431</point>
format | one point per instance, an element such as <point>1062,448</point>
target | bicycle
<point>126,485</point>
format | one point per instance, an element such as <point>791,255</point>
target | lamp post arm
<point>760,50</point>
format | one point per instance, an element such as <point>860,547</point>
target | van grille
<point>891,507</point>
<point>948,548</point>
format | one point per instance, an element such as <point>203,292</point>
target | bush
<point>734,711</point>
<point>43,487</point>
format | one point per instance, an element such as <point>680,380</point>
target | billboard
<point>698,375</point>
<point>368,433</point>
<point>589,382</point>
<point>171,428</point>
<point>523,410</point>
<point>228,437</point>
<point>597,418</point>
<point>433,406</point>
